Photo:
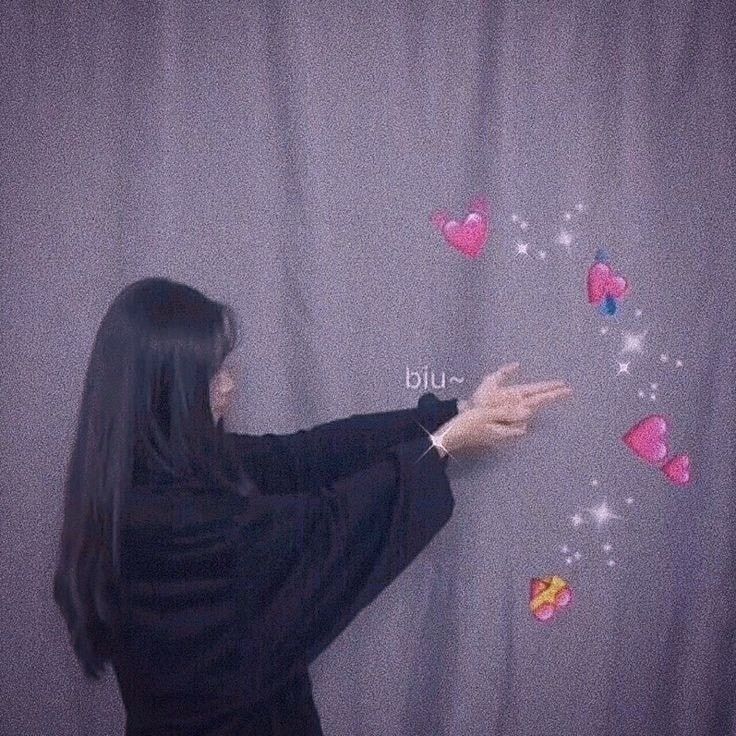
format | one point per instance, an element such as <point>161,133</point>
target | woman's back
<point>230,597</point>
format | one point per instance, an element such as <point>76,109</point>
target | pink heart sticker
<point>677,469</point>
<point>468,237</point>
<point>602,283</point>
<point>648,439</point>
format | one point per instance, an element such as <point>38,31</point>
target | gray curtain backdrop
<point>286,157</point>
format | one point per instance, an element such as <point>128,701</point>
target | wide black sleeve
<point>309,563</point>
<point>306,460</point>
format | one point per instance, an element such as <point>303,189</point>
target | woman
<point>209,567</point>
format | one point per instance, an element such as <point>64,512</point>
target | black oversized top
<point>231,597</point>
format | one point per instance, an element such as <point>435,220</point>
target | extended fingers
<point>548,396</point>
<point>501,430</point>
<point>514,407</point>
<point>529,389</point>
<point>523,391</point>
<point>497,376</point>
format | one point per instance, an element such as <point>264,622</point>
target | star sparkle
<point>602,514</point>
<point>633,342</point>
<point>522,248</point>
<point>436,440</point>
<point>565,238</point>
<point>623,368</point>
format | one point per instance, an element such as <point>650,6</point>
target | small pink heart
<point>602,283</point>
<point>469,237</point>
<point>648,439</point>
<point>677,469</point>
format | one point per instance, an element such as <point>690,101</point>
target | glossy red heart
<point>469,236</point>
<point>677,469</point>
<point>602,282</point>
<point>648,439</point>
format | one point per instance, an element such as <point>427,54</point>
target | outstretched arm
<point>308,564</point>
<point>304,461</point>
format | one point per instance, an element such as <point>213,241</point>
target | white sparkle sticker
<point>633,342</point>
<point>602,514</point>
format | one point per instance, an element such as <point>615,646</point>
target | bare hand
<point>495,412</point>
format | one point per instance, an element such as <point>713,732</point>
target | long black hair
<point>144,413</point>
